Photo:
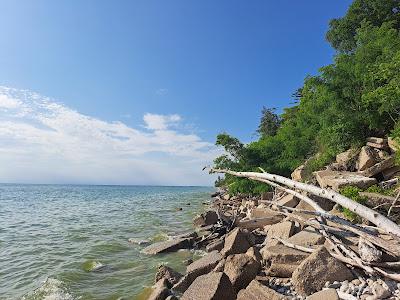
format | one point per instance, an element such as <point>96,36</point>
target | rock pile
<point>257,250</point>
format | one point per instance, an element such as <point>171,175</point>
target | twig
<point>393,204</point>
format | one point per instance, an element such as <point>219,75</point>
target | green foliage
<point>377,189</point>
<point>357,96</point>
<point>353,193</point>
<point>342,31</point>
<point>270,122</point>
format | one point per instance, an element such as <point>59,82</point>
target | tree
<point>342,32</point>
<point>270,122</point>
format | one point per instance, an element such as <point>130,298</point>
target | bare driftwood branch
<point>291,245</point>
<point>361,210</point>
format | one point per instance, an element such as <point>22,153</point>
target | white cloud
<point>161,92</point>
<point>45,141</point>
<point>160,122</point>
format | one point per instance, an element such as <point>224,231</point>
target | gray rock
<point>170,274</point>
<point>206,218</point>
<point>237,241</point>
<point>256,291</point>
<point>160,290</point>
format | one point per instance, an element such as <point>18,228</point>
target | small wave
<point>51,289</point>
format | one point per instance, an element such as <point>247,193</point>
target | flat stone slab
<point>169,246</point>
<point>308,237</point>
<point>337,180</point>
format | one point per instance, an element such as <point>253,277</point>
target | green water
<point>71,242</point>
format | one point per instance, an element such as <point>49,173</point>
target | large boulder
<point>212,286</point>
<point>366,158</point>
<point>206,218</point>
<point>346,158</point>
<point>166,272</point>
<point>262,212</point>
<point>169,246</point>
<point>199,267</point>
<point>336,180</point>
<point>282,260</point>
<point>241,270</point>
<point>299,173</point>
<point>237,241</point>
<point>378,167</point>
<point>256,291</point>
<point>318,268</point>
<point>308,237</point>
<point>216,245</point>
<point>328,294</point>
<point>282,230</point>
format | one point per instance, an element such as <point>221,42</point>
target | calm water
<point>53,237</point>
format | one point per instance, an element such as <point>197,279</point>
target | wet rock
<point>207,218</point>
<point>199,267</point>
<point>169,246</point>
<point>282,260</point>
<point>166,272</point>
<point>282,230</point>
<point>256,291</point>
<point>160,290</point>
<point>337,180</point>
<point>241,270</point>
<point>187,262</point>
<point>318,268</point>
<point>237,241</point>
<point>328,294</point>
<point>212,286</point>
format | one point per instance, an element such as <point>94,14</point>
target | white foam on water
<point>51,289</point>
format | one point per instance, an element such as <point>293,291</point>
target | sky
<point>135,92</point>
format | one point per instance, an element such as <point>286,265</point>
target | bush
<point>352,193</point>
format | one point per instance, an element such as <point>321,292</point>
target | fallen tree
<point>367,213</point>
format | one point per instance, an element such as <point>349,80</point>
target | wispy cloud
<point>161,92</point>
<point>42,140</point>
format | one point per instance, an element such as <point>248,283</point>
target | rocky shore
<point>257,250</point>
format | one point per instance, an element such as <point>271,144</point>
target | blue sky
<point>194,68</point>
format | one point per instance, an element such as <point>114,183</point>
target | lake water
<point>71,242</point>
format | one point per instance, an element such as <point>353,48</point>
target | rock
<point>171,297</point>
<point>393,145</point>
<point>346,158</point>
<point>299,173</point>
<point>288,200</point>
<point>337,180</point>
<point>206,218</point>
<point>187,262</point>
<point>169,246</point>
<point>261,212</point>
<point>160,290</point>
<point>314,271</point>
<point>282,260</point>
<point>379,291</point>
<point>216,245</point>
<point>375,199</point>
<point>366,158</point>
<point>379,167</point>
<point>226,197</point>
<point>328,294</point>
<point>138,241</point>
<point>166,272</point>
<point>378,143</point>
<point>267,196</point>
<point>256,291</point>
<point>390,173</point>
<point>241,270</point>
<point>308,237</point>
<point>220,266</point>
<point>199,267</point>
<point>212,286</point>
<point>252,224</point>
<point>254,254</point>
<point>282,230</point>
<point>237,241</point>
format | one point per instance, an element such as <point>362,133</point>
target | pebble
<point>356,281</point>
